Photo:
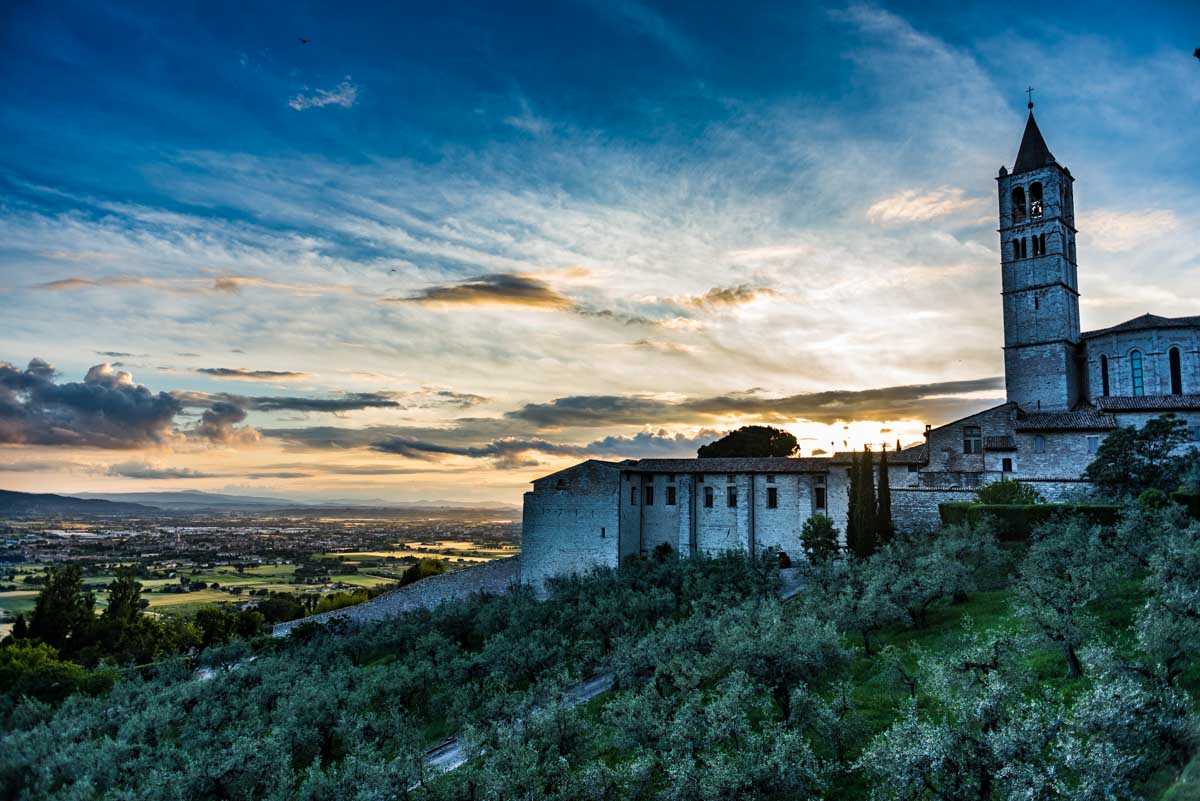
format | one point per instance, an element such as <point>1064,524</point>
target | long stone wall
<point>916,508</point>
<point>490,577</point>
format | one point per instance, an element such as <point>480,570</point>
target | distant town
<point>187,558</point>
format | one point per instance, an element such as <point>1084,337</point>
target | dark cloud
<point>505,453</point>
<point>719,296</point>
<point>141,470</point>
<point>105,410</point>
<point>115,354</point>
<point>508,289</point>
<point>219,424</point>
<point>239,374</point>
<point>649,444</point>
<point>277,474</point>
<point>342,403</point>
<point>928,401</point>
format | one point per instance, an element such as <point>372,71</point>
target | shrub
<point>1009,492</point>
<point>819,538</point>
<point>35,670</point>
<point>1016,522</point>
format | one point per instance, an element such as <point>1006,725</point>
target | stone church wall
<point>916,508</point>
<point>1156,372</point>
<point>571,522</point>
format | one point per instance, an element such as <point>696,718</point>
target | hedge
<point>1017,521</point>
<point>1189,499</point>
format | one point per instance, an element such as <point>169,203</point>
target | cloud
<point>239,374</point>
<point>424,398</point>
<point>1119,231</point>
<point>887,403</point>
<point>497,289</point>
<point>144,470</point>
<point>507,453</point>
<point>720,297</point>
<point>913,205</point>
<point>344,94</point>
<point>650,444</point>
<point>219,425</point>
<point>106,410</point>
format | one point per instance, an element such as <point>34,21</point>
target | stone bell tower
<point>1040,280</point>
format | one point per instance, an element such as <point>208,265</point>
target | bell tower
<point>1040,280</point>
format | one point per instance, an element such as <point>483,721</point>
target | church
<point>1066,389</point>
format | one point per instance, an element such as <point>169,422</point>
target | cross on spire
<point>1029,91</point>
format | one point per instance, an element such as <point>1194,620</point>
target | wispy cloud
<point>913,205</point>
<point>344,94</point>
<point>242,374</point>
<point>499,289</point>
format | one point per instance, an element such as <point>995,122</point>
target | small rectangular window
<point>649,494</point>
<point>708,497</point>
<point>1093,444</point>
<point>731,496</point>
<point>729,478</point>
<point>1039,444</point>
<point>770,478</point>
<point>670,478</point>
<point>633,496</point>
<point>602,532</point>
<point>972,439</point>
<point>1006,465</point>
<point>819,497</point>
<point>772,497</point>
<point>670,495</point>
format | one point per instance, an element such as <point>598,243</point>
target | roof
<point>913,454</point>
<point>1004,443</point>
<point>774,464</point>
<point>597,462</point>
<point>1146,322</point>
<point>1033,152</point>
<point>1148,403</point>
<point>1082,420</point>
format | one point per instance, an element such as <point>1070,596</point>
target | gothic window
<point>1037,301</point>
<point>1035,200</point>
<point>708,497</point>
<point>772,497</point>
<point>670,495</point>
<point>1103,376</point>
<point>1135,373</point>
<point>972,439</point>
<point>819,492</point>
<point>1018,204</point>
<point>1016,243</point>
<point>1024,247</point>
<point>649,494</point>
<point>1176,371</point>
<point>731,496</point>
<point>1036,252</point>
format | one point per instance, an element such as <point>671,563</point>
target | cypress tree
<point>883,517</point>
<point>866,503</point>
<point>852,474</point>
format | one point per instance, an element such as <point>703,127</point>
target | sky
<point>433,251</point>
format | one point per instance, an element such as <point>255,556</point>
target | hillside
<point>29,504</point>
<point>938,668</point>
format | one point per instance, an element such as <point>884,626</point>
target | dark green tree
<point>1132,460</point>
<point>819,539</point>
<point>63,617</point>
<point>853,479</point>
<point>751,441</point>
<point>864,510</point>
<point>883,504</point>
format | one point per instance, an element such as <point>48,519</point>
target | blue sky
<point>438,252</point>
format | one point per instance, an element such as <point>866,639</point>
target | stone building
<point>1066,390</point>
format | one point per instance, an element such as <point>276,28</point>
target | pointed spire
<point>1033,152</point>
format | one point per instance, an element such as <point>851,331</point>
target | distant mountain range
<point>134,503</point>
<point>30,504</point>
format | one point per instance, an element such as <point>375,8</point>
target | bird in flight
<point>304,41</point>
